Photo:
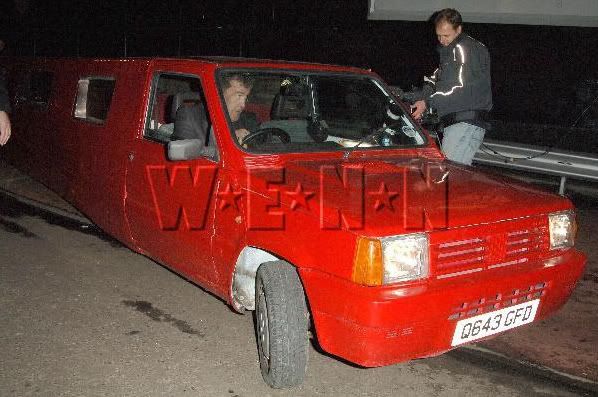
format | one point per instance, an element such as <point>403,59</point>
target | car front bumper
<point>375,326</point>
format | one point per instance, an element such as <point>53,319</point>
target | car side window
<point>177,110</point>
<point>35,89</point>
<point>94,96</point>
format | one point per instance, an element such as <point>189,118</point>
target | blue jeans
<point>461,141</point>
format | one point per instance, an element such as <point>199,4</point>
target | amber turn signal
<point>367,266</point>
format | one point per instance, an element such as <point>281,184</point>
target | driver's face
<point>235,97</point>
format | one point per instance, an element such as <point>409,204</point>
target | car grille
<point>499,301</point>
<point>488,247</point>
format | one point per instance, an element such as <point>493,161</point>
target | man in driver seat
<point>237,88</point>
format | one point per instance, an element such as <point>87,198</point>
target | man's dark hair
<point>449,15</point>
<point>242,78</point>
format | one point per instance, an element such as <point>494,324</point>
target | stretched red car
<point>305,192</point>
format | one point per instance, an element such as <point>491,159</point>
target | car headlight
<point>391,259</point>
<point>562,228</point>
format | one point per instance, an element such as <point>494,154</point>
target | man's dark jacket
<point>4,102</point>
<point>462,81</point>
<point>247,120</point>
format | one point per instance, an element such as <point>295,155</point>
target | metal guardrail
<point>539,160</point>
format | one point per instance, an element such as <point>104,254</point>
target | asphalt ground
<point>84,316</point>
<point>560,351</point>
<point>567,342</point>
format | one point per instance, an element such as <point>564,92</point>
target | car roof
<point>227,61</point>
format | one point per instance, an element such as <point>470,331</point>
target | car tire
<point>281,323</point>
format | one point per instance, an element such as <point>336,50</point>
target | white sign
<point>526,12</point>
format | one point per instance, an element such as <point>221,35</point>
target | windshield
<point>274,112</point>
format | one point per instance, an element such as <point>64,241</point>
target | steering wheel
<point>266,133</point>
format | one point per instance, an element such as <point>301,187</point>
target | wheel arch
<point>243,284</point>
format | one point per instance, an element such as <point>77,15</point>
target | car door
<point>169,204</point>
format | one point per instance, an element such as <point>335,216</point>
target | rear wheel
<point>281,324</point>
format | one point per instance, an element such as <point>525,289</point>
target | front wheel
<point>281,321</point>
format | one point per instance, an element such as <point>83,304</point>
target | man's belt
<point>475,116</point>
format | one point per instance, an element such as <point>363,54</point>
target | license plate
<point>491,323</point>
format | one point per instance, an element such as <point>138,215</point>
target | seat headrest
<point>179,99</point>
<point>290,102</point>
<point>294,89</point>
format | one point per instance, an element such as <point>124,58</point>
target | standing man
<point>459,89</point>
<point>4,107</point>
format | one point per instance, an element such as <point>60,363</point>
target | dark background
<point>541,74</point>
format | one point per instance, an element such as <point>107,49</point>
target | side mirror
<point>185,149</point>
<point>188,149</point>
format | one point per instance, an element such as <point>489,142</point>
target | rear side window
<point>40,87</point>
<point>35,89</point>
<point>94,95</point>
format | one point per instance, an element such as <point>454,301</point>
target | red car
<point>304,192</point>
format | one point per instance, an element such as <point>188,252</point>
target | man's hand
<point>241,133</point>
<point>4,128</point>
<point>418,109</point>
